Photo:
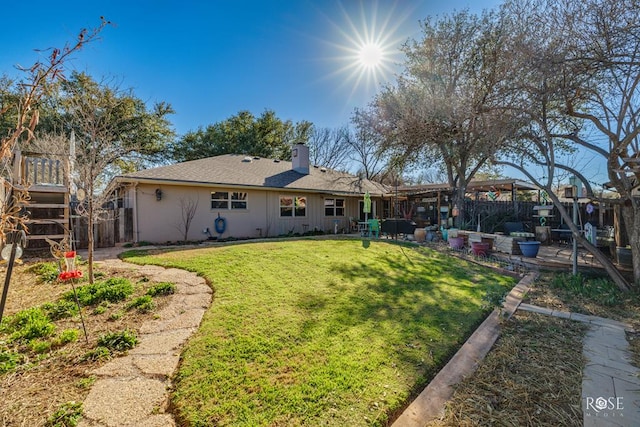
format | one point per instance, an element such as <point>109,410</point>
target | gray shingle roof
<point>235,170</point>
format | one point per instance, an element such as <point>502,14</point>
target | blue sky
<point>212,59</point>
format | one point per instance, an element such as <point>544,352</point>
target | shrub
<point>98,353</point>
<point>116,315</point>
<point>118,341</point>
<point>163,288</point>
<point>47,272</point>
<point>29,324</point>
<point>39,346</point>
<point>113,290</point>
<point>85,383</point>
<point>144,304</point>
<point>101,308</point>
<point>8,361</point>
<point>60,310</point>
<point>67,336</point>
<point>67,415</point>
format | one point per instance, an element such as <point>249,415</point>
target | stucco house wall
<point>162,220</point>
<point>256,197</point>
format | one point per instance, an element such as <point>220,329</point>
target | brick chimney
<point>300,159</point>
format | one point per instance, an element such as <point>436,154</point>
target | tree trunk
<point>458,198</point>
<point>632,226</point>
<point>90,238</point>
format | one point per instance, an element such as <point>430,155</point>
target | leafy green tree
<point>264,136</point>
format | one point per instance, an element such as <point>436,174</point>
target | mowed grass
<point>322,332</point>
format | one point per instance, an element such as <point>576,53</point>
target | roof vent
<point>247,159</point>
<point>256,158</point>
<point>276,160</point>
<point>323,169</point>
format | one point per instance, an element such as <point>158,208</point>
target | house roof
<point>500,184</point>
<point>233,170</point>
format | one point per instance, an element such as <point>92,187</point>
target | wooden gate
<point>103,231</point>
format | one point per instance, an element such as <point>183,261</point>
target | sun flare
<point>366,44</point>
<point>371,55</point>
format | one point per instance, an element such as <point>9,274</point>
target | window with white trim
<point>293,206</point>
<point>238,200</point>
<point>333,207</point>
<point>228,200</point>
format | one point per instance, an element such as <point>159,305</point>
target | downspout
<point>135,213</point>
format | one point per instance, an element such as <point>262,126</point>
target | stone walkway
<point>133,390</point>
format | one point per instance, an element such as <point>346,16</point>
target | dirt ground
<point>43,382</point>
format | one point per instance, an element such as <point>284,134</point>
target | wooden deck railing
<point>34,169</point>
<point>42,171</point>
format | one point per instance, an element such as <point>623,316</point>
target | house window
<point>334,207</point>
<point>228,200</point>
<point>238,200</point>
<point>220,200</point>
<point>293,206</point>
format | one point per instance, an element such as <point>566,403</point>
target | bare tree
<point>577,71</point>
<point>188,209</point>
<point>329,147</point>
<point>111,126</point>
<point>365,143</point>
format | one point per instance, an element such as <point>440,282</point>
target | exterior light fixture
<point>158,194</point>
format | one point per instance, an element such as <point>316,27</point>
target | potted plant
<point>456,242</point>
<point>529,248</point>
<point>480,248</point>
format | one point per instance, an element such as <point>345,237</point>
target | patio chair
<point>353,224</point>
<point>374,228</point>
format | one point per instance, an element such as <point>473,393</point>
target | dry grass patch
<point>533,376</point>
<point>593,296</point>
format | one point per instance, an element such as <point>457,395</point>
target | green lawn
<point>322,332</point>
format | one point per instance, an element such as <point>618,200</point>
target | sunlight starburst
<point>367,46</point>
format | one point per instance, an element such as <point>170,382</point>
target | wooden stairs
<point>47,181</point>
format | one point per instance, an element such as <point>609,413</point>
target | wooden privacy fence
<point>493,215</point>
<point>104,231</point>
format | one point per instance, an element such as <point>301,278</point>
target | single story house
<point>254,197</point>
